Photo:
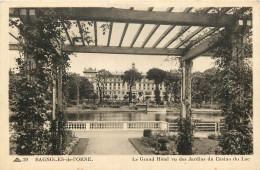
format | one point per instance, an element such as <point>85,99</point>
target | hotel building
<point>115,85</point>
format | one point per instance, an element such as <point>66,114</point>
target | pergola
<point>199,31</point>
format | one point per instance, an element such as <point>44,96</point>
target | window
<point>148,93</point>
<point>118,84</point>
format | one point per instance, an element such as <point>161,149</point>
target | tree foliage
<point>131,77</point>
<point>74,81</point>
<point>158,76</point>
<point>173,84</point>
<point>101,79</point>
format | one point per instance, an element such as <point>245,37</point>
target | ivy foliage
<point>235,90</point>
<point>41,37</point>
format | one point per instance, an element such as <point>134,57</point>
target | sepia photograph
<point>150,82</point>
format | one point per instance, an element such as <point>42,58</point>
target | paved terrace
<point>115,142</point>
<point>110,142</point>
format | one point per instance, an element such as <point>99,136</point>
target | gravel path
<point>110,142</point>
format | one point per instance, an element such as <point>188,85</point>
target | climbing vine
<point>235,90</point>
<point>31,98</point>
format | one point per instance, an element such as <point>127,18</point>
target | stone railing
<point>200,127</point>
<point>115,125</point>
<point>140,125</point>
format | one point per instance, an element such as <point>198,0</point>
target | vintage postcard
<point>129,85</point>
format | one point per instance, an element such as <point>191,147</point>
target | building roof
<point>90,70</point>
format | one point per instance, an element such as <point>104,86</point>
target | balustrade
<point>141,125</point>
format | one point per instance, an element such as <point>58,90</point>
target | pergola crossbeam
<point>153,30</point>
<point>146,17</point>
<point>163,36</point>
<point>95,32</point>
<point>150,35</point>
<point>139,31</point>
<point>121,50</point>
<point>201,38</point>
<point>124,31</point>
<point>81,32</point>
<point>183,30</point>
<point>201,48</point>
<point>189,37</point>
<point>67,33</point>
<point>110,33</point>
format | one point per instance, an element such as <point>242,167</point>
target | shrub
<point>147,133</point>
<point>150,141</point>
<point>69,105</point>
<point>212,136</point>
<point>162,143</point>
<point>172,138</point>
<point>236,143</point>
<point>94,107</point>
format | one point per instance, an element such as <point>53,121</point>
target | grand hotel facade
<point>115,85</point>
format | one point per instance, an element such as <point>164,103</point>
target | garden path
<point>110,142</point>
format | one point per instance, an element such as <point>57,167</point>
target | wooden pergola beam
<point>110,33</point>
<point>201,38</point>
<point>95,32</point>
<point>123,34</point>
<point>153,30</point>
<point>120,50</point>
<point>150,35</point>
<point>183,30</point>
<point>15,46</point>
<point>189,37</point>
<point>139,31</point>
<point>80,31</point>
<point>203,47</point>
<point>124,31</point>
<point>163,36</point>
<point>67,33</point>
<point>146,17</point>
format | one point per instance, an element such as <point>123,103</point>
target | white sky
<point>121,63</point>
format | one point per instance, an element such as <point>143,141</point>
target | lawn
<point>202,146</point>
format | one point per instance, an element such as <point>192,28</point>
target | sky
<point>121,63</point>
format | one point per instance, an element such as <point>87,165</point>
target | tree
<point>173,84</point>
<point>131,77</point>
<point>158,76</point>
<point>85,89</point>
<point>126,97</point>
<point>101,79</point>
<point>115,97</point>
<point>78,87</point>
<point>94,97</point>
<point>107,96</point>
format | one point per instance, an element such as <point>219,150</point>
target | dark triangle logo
<point>17,160</point>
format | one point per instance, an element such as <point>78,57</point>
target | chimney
<point>133,66</point>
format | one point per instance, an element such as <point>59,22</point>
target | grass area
<point>81,147</point>
<point>202,146</point>
<point>140,147</point>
